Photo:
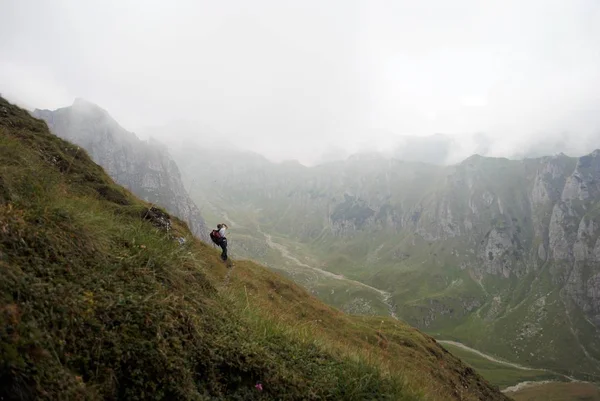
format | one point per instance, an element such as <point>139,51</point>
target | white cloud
<point>32,86</point>
<point>473,101</point>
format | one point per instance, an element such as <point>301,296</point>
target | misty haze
<point>300,200</point>
<point>317,82</point>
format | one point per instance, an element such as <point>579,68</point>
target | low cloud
<point>318,81</point>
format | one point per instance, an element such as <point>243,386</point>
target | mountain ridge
<point>145,167</point>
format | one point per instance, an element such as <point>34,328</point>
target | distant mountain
<point>144,167</point>
<point>501,254</point>
<point>444,150</point>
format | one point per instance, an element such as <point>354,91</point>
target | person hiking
<point>218,236</point>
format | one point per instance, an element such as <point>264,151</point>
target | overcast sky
<point>295,79</point>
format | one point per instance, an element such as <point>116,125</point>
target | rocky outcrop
<point>144,167</point>
<point>573,236</point>
<point>549,180</point>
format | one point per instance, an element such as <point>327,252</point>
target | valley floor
<point>493,359</point>
<point>553,391</point>
<point>533,385</point>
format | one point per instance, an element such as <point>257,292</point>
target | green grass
<point>99,301</point>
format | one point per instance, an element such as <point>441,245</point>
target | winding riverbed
<point>386,297</point>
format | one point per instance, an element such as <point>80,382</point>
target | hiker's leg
<point>224,248</point>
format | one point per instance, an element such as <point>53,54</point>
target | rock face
<point>575,233</point>
<point>512,244</point>
<point>144,167</point>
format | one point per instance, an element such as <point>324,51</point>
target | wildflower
<point>258,386</point>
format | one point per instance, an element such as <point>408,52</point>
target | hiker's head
<point>219,226</point>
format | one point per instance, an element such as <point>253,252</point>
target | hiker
<point>219,238</point>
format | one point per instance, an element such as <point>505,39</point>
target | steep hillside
<point>499,254</point>
<point>104,297</point>
<point>143,167</point>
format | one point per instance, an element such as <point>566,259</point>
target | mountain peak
<point>474,158</point>
<point>81,104</point>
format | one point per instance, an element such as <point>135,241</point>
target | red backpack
<point>215,236</point>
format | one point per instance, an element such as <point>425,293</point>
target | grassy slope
<point>98,301</point>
